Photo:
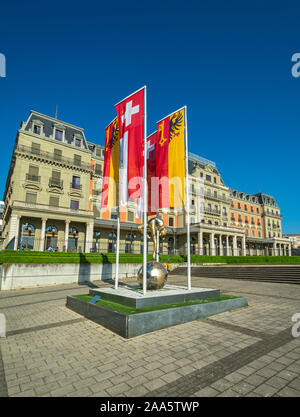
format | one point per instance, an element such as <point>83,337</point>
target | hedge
<point>11,256</point>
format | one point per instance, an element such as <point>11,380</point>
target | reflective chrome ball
<point>156,276</point>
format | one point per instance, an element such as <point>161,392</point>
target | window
<point>130,216</point>
<point>74,205</point>
<point>78,142</point>
<point>171,221</point>
<point>251,209</point>
<point>98,169</point>
<point>55,179</point>
<point>259,233</point>
<point>35,148</point>
<point>113,216</point>
<point>257,210</point>
<point>33,174</point>
<point>201,174</point>
<point>54,201</point>
<point>37,129</point>
<point>31,197</point>
<point>224,211</point>
<point>57,154</point>
<point>245,208</point>
<point>98,152</point>
<point>192,220</point>
<point>208,178</point>
<point>215,194</point>
<point>239,205</point>
<point>193,202</point>
<point>77,160</point>
<point>215,180</point>
<point>240,218</point>
<point>75,182</point>
<point>59,134</point>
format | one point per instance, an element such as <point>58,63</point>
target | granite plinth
<point>132,296</point>
<point>131,325</point>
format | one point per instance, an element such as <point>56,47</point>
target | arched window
<point>27,236</point>
<point>129,241</point>
<point>51,238</point>
<point>73,239</point>
<point>112,242</point>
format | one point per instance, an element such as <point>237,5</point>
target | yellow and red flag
<point>110,184</point>
<point>170,160</point>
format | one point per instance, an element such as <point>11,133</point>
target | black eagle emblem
<point>175,124</point>
<point>114,134</point>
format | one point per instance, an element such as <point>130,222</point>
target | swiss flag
<point>130,113</point>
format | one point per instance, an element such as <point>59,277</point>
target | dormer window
<point>37,129</point>
<point>59,134</point>
<point>78,142</point>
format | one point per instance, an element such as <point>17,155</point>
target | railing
<point>53,182</point>
<point>216,197</point>
<point>56,209</point>
<point>52,157</point>
<point>212,211</point>
<point>35,178</point>
<point>76,186</point>
<point>97,192</point>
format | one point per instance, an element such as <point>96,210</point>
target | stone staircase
<point>287,274</point>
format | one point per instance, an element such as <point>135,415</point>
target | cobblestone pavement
<point>52,351</point>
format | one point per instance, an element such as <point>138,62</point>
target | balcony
<point>54,182</point>
<point>212,211</point>
<point>75,186</point>
<point>43,208</point>
<point>34,178</point>
<point>97,192</point>
<point>216,197</point>
<point>50,156</point>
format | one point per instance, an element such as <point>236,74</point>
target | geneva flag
<point>170,160</point>
<point>110,185</point>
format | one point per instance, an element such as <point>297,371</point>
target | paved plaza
<point>52,351</point>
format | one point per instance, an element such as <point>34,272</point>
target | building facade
<point>52,201</point>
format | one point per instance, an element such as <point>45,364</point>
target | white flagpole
<point>187,203</point>
<point>118,242</point>
<point>145,196</point>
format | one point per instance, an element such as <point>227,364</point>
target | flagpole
<point>187,201</point>
<point>118,243</point>
<point>145,196</point>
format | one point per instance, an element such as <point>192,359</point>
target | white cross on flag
<point>130,113</point>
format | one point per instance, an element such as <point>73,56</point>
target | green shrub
<point>11,256</point>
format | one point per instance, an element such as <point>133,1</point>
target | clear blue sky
<point>229,62</point>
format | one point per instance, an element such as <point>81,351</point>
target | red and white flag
<point>151,180</point>
<point>130,113</point>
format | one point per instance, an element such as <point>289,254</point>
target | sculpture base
<point>132,296</point>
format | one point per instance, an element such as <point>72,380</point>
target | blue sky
<point>229,62</point>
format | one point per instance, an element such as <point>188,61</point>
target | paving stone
<point>289,392</point>
<point>265,390</point>
<point>206,392</point>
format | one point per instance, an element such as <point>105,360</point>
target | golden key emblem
<point>162,139</point>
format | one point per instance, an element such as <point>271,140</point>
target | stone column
<point>66,234</point>
<point>244,246</point>
<point>234,246</point>
<point>42,243</point>
<point>200,243</point>
<point>274,249</point>
<point>290,249</point>
<point>227,245</point>
<point>280,250</point>
<point>14,230</point>
<point>212,244</point>
<point>89,236</point>
<point>221,245</point>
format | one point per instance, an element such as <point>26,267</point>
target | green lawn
<point>130,310</point>
<point>11,256</point>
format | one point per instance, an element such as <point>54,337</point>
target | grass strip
<point>121,308</point>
